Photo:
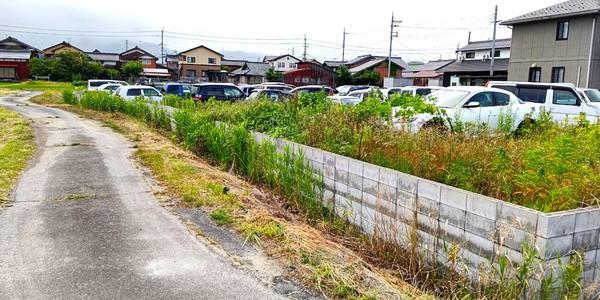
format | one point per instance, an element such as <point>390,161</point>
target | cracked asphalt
<point>83,223</point>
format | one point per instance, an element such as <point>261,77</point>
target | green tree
<point>343,76</point>
<point>367,77</point>
<point>94,70</point>
<point>40,67</point>
<point>132,68</point>
<point>69,66</point>
<point>274,76</point>
<point>113,73</point>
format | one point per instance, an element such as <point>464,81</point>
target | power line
<point>234,38</point>
<point>442,28</point>
<point>78,35</point>
<point>71,30</point>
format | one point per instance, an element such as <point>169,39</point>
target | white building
<point>282,63</point>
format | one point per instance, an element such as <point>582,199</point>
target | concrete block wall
<point>393,205</point>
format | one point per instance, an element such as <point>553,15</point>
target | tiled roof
<point>376,61</point>
<point>252,69</point>
<point>100,56</point>
<point>15,54</point>
<point>564,9</point>
<point>500,64</point>
<point>485,45</point>
<point>333,63</point>
<point>431,66</point>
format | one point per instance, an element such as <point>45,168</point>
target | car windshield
<point>593,95</point>
<point>150,92</point>
<point>344,90</point>
<point>448,98</point>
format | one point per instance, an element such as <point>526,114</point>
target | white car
<point>94,84</point>
<point>561,99</point>
<point>411,90</point>
<point>591,95</point>
<point>109,87</point>
<point>131,92</point>
<point>353,98</point>
<point>475,105</point>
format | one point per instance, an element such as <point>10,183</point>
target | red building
<point>310,73</point>
<point>14,59</point>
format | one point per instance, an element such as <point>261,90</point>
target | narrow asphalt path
<point>84,224</point>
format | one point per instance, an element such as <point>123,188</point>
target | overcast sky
<point>429,29</point>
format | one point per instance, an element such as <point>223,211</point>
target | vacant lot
<point>36,85</point>
<point>16,147</point>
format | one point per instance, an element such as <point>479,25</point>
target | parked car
<point>273,95</point>
<point>179,89</point>
<point>411,90</point>
<point>133,91</point>
<point>561,99</point>
<point>591,95</point>
<point>247,88</point>
<point>353,98</point>
<point>469,104</point>
<point>220,91</point>
<point>93,84</point>
<point>160,86</point>
<point>275,86</point>
<point>314,89</point>
<point>344,90</point>
<point>109,87</point>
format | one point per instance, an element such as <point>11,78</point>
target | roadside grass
<point>49,97</point>
<point>16,147</point>
<point>309,252</point>
<point>32,85</point>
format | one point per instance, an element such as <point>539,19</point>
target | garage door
<point>7,73</point>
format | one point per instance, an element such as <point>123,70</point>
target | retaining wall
<point>392,204</point>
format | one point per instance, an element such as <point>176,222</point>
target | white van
<point>94,84</point>
<point>560,99</point>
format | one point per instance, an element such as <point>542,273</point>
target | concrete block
<point>385,227</point>
<point>317,167</point>
<point>329,161</point>
<point>386,208</point>
<point>589,260</point>
<point>427,242</point>
<point>480,226</point>
<point>519,217</point>
<point>513,237</point>
<point>356,214</point>
<point>355,167</point>
<point>407,183</point>
<point>451,234</point>
<point>388,177</point>
<point>554,247</point>
<point>587,220</point>
<point>453,216</point>
<point>481,246</point>
<point>428,189</point>
<point>427,224</point>
<point>317,155</point>
<point>474,261</point>
<point>371,172</point>
<point>514,256</point>
<point>354,194</point>
<point>355,181</point>
<point>341,176</point>
<point>341,163</point>
<point>328,197</point>
<point>329,183</point>
<point>386,192</point>
<point>556,224</point>
<point>428,207</point>
<point>588,277</point>
<point>342,206</point>
<point>482,206</point>
<point>405,214</point>
<point>341,188</point>
<point>370,186</point>
<point>329,171</point>
<point>453,197</point>
<point>369,201</point>
<point>408,200</point>
<point>368,220</point>
<point>586,240</point>
<point>403,233</point>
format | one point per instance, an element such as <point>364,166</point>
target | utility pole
<point>162,45</point>
<point>494,42</point>
<point>344,45</point>
<point>305,46</point>
<point>393,34</point>
<point>126,46</point>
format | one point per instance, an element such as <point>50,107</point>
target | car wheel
<point>525,127</point>
<point>435,127</point>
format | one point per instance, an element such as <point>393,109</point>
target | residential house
<point>52,51</point>
<point>559,43</point>
<point>426,74</point>
<point>231,65</point>
<point>250,73</point>
<point>201,64</point>
<point>105,58</point>
<point>378,64</point>
<point>310,73</point>
<point>282,63</point>
<point>172,61</point>
<point>473,66</point>
<point>147,59</point>
<point>14,59</point>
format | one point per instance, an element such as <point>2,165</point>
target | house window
<point>281,65</point>
<point>558,74</point>
<point>293,66</point>
<point>305,80</point>
<point>146,61</point>
<point>191,59</point>
<point>297,80</point>
<point>562,31</point>
<point>190,74</point>
<point>470,55</point>
<point>496,53</point>
<point>535,74</point>
<point>212,60</point>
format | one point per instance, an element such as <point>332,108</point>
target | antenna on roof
<point>469,40</point>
